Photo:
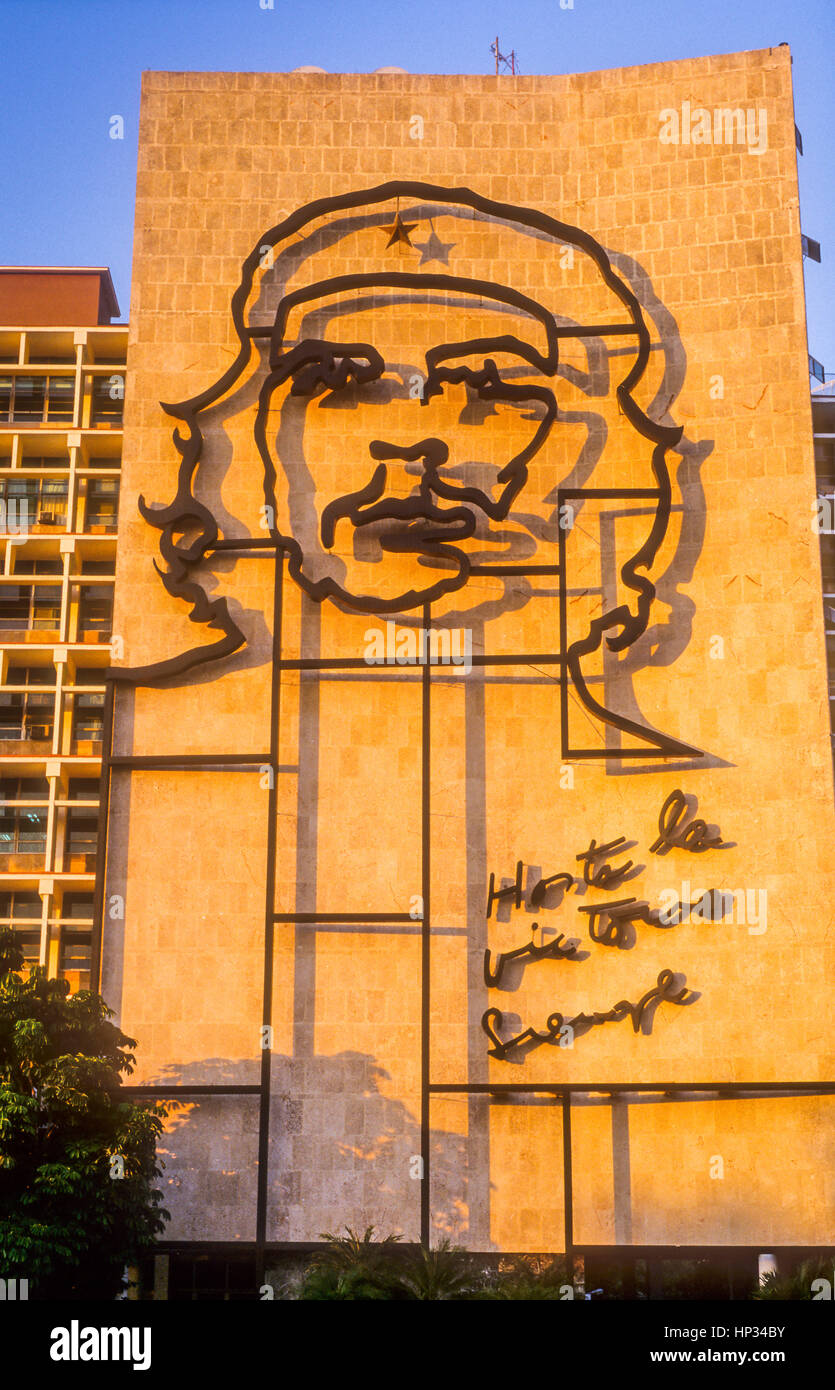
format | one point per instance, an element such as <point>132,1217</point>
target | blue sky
<point>67,66</point>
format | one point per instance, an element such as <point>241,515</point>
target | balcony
<point>35,742</point>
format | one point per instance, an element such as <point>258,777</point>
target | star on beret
<point>398,231</point>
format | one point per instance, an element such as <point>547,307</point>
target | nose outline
<point>433,451</point>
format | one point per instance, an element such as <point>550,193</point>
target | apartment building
<point>62,379</point>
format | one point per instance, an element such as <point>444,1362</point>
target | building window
<point>23,832</point>
<point>25,716</point>
<point>46,608</point>
<point>87,721</point>
<point>24,566</point>
<point>224,1278</point>
<point>20,504</point>
<point>74,959</point>
<point>95,612</point>
<point>28,400</point>
<point>52,508</point>
<point>37,400</point>
<point>28,607</point>
<point>60,399</point>
<point>31,943</point>
<point>99,566</point>
<point>20,907</point>
<point>83,789</point>
<point>77,906</point>
<point>34,502</point>
<point>15,606</point>
<point>89,675</point>
<point>24,789</point>
<point>82,833</point>
<point>31,675</point>
<point>102,504</point>
<point>107,400</point>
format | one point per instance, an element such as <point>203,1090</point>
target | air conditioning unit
<point>39,732</point>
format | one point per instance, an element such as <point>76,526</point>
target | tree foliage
<point>69,1223</point>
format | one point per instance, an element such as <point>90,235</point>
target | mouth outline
<point>364,507</point>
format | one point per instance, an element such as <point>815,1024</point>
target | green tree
<point>69,1223</point>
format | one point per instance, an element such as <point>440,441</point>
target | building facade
<point>62,379</point>
<point>823,424</point>
<point>467,759</point>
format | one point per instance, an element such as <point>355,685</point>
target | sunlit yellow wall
<point>709,238</point>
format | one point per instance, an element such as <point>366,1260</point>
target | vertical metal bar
<point>568,1182</point>
<point>306,881</point>
<point>269,930</point>
<point>425,958</point>
<point>478,1066</point>
<point>563,619</point>
<point>101,837</point>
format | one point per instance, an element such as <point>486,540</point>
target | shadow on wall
<point>341,1152</point>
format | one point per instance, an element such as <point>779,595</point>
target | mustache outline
<point>364,506</point>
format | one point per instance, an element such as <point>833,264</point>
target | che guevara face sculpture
<point>400,473</point>
<point>413,412</point>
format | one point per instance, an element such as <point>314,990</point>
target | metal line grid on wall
<point>560,1091</point>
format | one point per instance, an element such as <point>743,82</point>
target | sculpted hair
<point>186,516</point>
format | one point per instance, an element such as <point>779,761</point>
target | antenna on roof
<point>508,62</point>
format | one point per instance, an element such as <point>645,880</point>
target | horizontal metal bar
<point>613,494</point>
<point>580,330</point>
<point>246,543</point>
<point>620,1087</point>
<point>186,1090</point>
<point>346,917</point>
<point>198,761</point>
<point>572,753</point>
<point>660,1252</point>
<point>267,543</point>
<point>515,569</point>
<point>359,663</point>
